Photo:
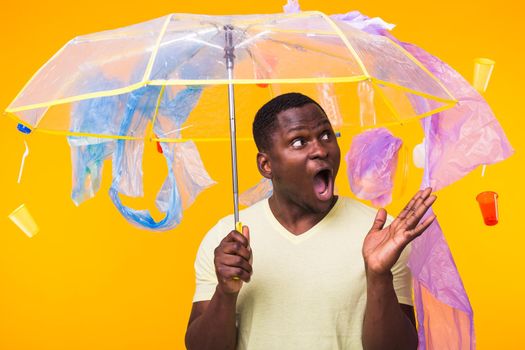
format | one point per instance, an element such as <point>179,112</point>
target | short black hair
<point>265,121</point>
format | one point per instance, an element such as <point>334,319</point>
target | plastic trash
<point>24,220</point>
<point>22,163</point>
<point>418,155</point>
<point>488,203</point>
<point>372,162</point>
<point>262,190</point>
<point>190,175</point>
<point>328,100</point>
<point>483,68</point>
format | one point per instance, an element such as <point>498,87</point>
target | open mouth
<point>324,185</point>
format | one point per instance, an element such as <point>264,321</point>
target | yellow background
<point>90,280</point>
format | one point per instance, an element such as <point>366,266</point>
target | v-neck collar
<point>296,239</point>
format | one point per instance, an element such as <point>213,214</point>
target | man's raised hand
<point>383,245</point>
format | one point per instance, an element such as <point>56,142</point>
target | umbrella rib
<point>415,92</point>
<point>138,85</point>
<point>387,102</point>
<point>343,37</point>
<point>420,65</point>
<point>191,36</point>
<point>249,40</point>
<point>156,50</point>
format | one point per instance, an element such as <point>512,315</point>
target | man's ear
<point>264,166</point>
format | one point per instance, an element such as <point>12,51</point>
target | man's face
<point>304,157</point>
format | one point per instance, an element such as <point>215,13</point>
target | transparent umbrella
<point>165,80</point>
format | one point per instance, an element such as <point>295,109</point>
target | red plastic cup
<point>488,203</point>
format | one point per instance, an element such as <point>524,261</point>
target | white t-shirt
<point>306,291</point>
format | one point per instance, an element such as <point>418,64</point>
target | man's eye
<point>297,143</point>
<point>325,136</point>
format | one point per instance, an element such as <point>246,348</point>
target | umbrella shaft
<point>233,151</point>
<point>229,48</point>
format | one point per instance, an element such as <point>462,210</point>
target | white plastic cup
<point>483,68</point>
<point>24,220</point>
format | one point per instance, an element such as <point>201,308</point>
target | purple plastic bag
<point>456,141</point>
<point>461,138</point>
<point>372,162</point>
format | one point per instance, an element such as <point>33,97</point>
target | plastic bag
<point>190,174</point>
<point>328,100</point>
<point>459,139</point>
<point>129,153</point>
<point>264,189</point>
<point>88,153</point>
<point>372,162</point>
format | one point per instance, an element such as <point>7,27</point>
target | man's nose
<point>318,150</point>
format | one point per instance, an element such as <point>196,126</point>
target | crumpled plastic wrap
<point>143,218</point>
<point>327,98</point>
<point>371,165</point>
<point>459,139</point>
<point>444,313</point>
<point>263,189</point>
<point>187,176</point>
<point>89,153</point>
<point>373,25</point>
<point>190,175</point>
<point>87,169</point>
<point>292,6</point>
<point>456,142</point>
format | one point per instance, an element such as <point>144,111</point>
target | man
<point>310,270</point>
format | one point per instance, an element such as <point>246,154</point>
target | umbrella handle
<point>238,228</point>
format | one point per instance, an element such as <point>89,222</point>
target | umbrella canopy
<point>181,50</point>
<point>145,82</point>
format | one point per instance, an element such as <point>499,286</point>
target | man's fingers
<point>421,198</point>
<point>403,214</point>
<point>419,211</point>
<point>419,229</point>
<point>379,220</point>
<point>235,248</point>
<point>233,257</point>
<point>236,261</point>
<point>246,233</point>
<point>227,273</point>
<point>235,236</point>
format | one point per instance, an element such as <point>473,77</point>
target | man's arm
<point>212,323</point>
<point>386,325</point>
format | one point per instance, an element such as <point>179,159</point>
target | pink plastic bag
<point>372,162</point>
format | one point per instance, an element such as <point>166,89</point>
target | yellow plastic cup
<point>482,71</point>
<point>23,219</point>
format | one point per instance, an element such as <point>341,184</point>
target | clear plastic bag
<point>187,176</point>
<point>190,175</point>
<point>260,191</point>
